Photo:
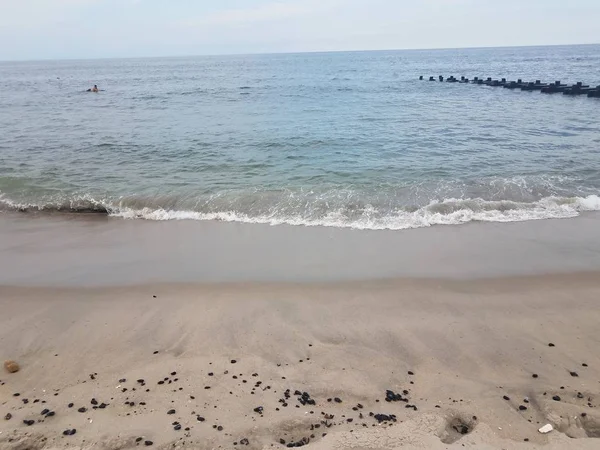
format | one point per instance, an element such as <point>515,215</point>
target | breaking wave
<point>450,211</point>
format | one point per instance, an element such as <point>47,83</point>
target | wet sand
<point>80,250</point>
<point>200,336</point>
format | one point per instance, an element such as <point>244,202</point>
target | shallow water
<point>336,139</point>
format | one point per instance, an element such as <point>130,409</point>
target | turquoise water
<point>333,139</point>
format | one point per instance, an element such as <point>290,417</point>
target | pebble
<point>584,365</point>
<point>70,432</point>
<point>148,443</point>
<point>11,366</point>
<point>506,397</point>
<point>337,400</point>
<point>556,398</point>
<point>171,411</point>
<point>551,345</point>
<point>233,361</point>
<point>82,409</point>
<point>8,416</point>
<point>522,408</point>
<point>259,410</point>
<point>200,419</point>
<point>574,374</point>
<point>410,372</point>
<point>70,405</point>
<point>535,375</point>
<point>29,422</point>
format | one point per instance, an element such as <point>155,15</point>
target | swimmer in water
<point>94,89</point>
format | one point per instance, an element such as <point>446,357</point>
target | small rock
<point>139,439</point>
<point>29,422</point>
<point>11,366</point>
<point>70,405</point>
<point>574,374</point>
<point>244,442</point>
<point>506,397</point>
<point>337,400</point>
<point>200,419</point>
<point>70,432</point>
<point>94,402</point>
<point>258,410</point>
<point>584,365</point>
<point>233,361</point>
<point>556,398</point>
<point>410,372</point>
<point>535,375</point>
<point>148,443</point>
<point>522,408</point>
<point>8,416</point>
<point>546,429</point>
<point>171,411</point>
<point>551,345</point>
<point>220,428</point>
<point>177,427</point>
<point>82,409</point>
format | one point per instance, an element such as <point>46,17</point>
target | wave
<point>451,211</point>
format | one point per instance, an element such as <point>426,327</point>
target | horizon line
<point>307,52</point>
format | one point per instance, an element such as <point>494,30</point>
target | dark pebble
<point>70,405</point>
<point>522,408</point>
<point>220,428</point>
<point>535,375</point>
<point>16,394</point>
<point>171,411</point>
<point>122,380</point>
<point>574,374</point>
<point>506,397</point>
<point>583,414</point>
<point>177,427</point>
<point>526,440</point>
<point>233,361</point>
<point>551,345</point>
<point>258,410</point>
<point>51,414</point>
<point>155,353</point>
<point>337,400</point>
<point>70,432</point>
<point>200,419</point>
<point>211,374</point>
<point>556,398</point>
<point>244,442</point>
<point>94,402</point>
<point>149,443</point>
<point>29,422</point>
<point>584,365</point>
<point>411,372</point>
<point>44,412</point>
<point>82,409</point>
<point>139,439</point>
<point>8,416</point>
<point>173,374</point>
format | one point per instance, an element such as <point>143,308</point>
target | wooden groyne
<point>545,88</point>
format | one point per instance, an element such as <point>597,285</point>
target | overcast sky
<point>49,29</point>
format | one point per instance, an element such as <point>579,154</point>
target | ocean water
<point>332,139</point>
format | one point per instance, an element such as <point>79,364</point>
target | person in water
<point>94,89</point>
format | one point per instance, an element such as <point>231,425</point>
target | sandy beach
<point>429,363</point>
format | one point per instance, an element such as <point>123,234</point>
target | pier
<point>555,87</point>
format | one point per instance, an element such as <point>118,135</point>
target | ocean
<point>351,140</point>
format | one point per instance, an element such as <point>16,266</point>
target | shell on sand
<point>11,366</point>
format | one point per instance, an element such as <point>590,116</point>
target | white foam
<point>445,212</point>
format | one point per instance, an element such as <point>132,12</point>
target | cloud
<point>269,12</point>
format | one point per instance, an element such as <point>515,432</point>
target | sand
<point>96,251</point>
<point>467,344</point>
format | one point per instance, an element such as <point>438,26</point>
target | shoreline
<point>80,251</point>
<point>469,345</point>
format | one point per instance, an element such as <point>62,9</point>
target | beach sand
<point>450,350</point>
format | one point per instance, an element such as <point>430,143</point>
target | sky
<point>64,29</point>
